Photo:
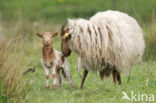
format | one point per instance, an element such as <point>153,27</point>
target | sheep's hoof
<point>72,87</point>
<point>80,87</point>
<point>47,87</point>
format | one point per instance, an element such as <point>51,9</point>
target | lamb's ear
<point>55,34</point>
<point>39,35</point>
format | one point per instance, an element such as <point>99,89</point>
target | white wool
<point>109,37</point>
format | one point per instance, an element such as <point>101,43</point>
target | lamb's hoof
<point>47,87</point>
<point>55,87</point>
<point>80,87</point>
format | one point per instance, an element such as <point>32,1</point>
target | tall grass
<point>150,40</point>
<point>13,86</point>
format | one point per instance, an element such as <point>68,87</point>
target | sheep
<point>110,42</point>
<point>51,58</point>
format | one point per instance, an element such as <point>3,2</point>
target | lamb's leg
<point>63,74</point>
<point>67,73</point>
<point>47,76</point>
<point>83,78</point>
<point>56,77</point>
<point>59,76</point>
<point>116,77</point>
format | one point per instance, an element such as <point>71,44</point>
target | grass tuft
<point>13,86</point>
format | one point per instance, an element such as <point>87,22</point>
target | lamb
<point>110,42</point>
<point>54,59</point>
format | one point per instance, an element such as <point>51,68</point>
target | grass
<point>150,40</point>
<point>13,87</point>
<point>94,91</point>
<point>20,20</point>
<point>59,10</point>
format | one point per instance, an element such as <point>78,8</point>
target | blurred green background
<point>60,10</point>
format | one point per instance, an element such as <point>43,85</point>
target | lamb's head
<point>65,37</point>
<point>47,37</point>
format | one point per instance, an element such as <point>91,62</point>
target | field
<point>20,50</point>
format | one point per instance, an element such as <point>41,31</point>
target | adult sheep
<point>109,42</point>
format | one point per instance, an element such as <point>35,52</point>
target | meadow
<point>20,50</point>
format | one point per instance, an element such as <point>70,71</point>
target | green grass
<point>21,19</point>
<point>60,10</point>
<point>95,90</point>
<point>13,87</point>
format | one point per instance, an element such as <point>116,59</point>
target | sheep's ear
<point>55,34</point>
<point>62,31</point>
<point>39,35</point>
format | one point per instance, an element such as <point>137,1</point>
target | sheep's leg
<point>102,73</point>
<point>116,77</point>
<point>83,78</point>
<point>67,73</point>
<point>119,79</point>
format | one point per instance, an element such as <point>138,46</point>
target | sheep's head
<point>47,37</point>
<point>65,37</point>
